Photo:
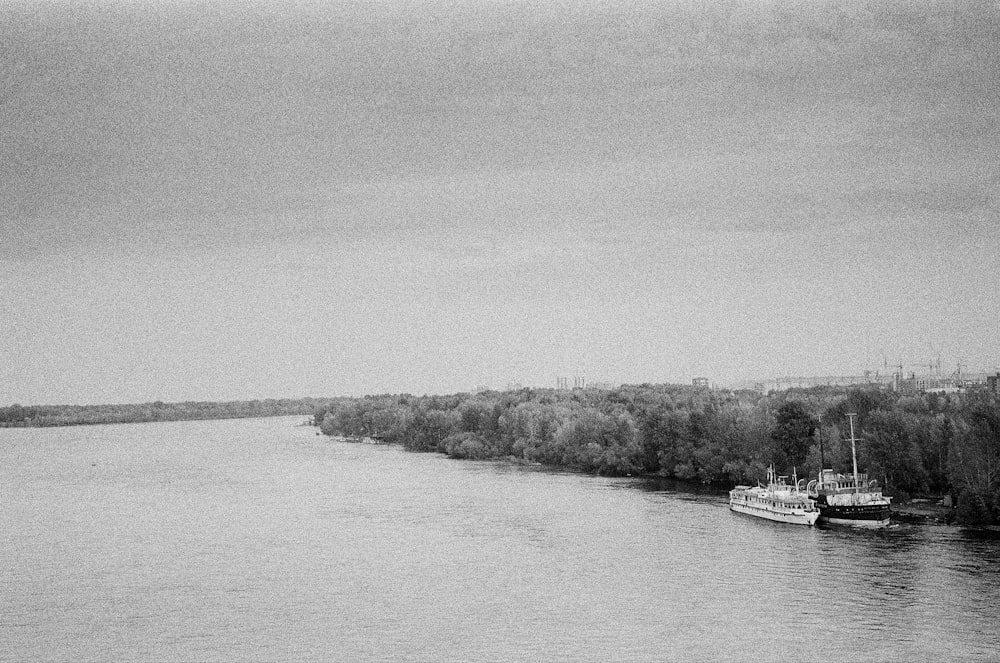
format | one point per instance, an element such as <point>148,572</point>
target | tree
<point>974,466</point>
<point>793,433</point>
<point>891,450</point>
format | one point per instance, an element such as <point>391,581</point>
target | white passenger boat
<point>778,501</point>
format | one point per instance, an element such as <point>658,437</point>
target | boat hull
<point>792,517</point>
<point>867,515</point>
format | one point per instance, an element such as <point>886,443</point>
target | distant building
<point>927,385</point>
<point>701,382</point>
<point>993,383</point>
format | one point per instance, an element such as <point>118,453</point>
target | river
<point>256,539</point>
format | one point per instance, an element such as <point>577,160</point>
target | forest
<point>913,445</point>
<point>73,415</point>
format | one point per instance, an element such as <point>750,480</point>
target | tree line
<point>72,415</point>
<point>919,445</point>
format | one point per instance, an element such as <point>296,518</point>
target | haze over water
<point>259,540</point>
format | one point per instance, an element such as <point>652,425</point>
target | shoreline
<point>922,511</point>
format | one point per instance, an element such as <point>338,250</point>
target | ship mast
<point>854,453</point>
<point>822,458</point>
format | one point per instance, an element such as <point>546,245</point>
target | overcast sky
<point>215,201</point>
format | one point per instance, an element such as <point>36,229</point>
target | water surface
<point>258,539</point>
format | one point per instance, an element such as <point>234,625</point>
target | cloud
<point>227,123</point>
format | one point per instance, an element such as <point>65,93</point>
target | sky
<point>224,201</point>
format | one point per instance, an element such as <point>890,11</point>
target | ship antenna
<point>854,453</point>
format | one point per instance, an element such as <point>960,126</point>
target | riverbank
<point>922,511</point>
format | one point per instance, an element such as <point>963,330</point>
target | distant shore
<point>37,416</point>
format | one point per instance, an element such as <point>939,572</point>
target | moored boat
<point>778,501</point>
<point>849,500</point>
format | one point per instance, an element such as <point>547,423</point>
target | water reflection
<point>685,488</point>
<point>991,535</point>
